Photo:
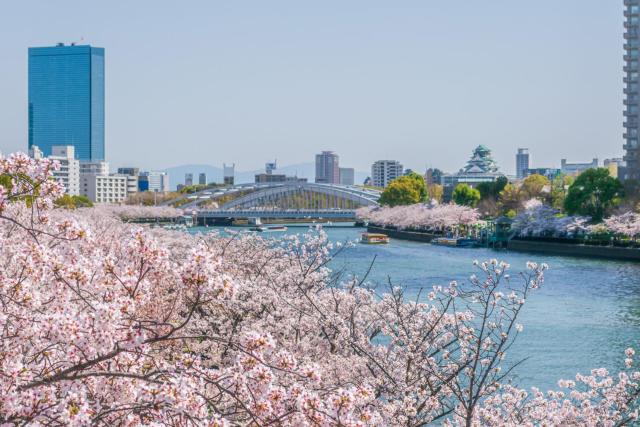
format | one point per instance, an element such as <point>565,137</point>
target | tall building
<point>327,168</point>
<point>385,171</point>
<point>188,179</point>
<point>202,178</point>
<point>229,174</point>
<point>66,99</point>
<point>347,176</point>
<point>522,162</point>
<point>632,89</point>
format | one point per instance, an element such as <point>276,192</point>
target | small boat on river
<point>270,228</point>
<point>374,238</point>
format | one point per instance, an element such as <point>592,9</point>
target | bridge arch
<point>340,196</point>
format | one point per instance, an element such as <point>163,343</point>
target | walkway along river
<point>584,316</point>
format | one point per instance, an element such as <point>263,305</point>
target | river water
<point>584,316</point>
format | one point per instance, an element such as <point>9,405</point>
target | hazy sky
<point>422,81</point>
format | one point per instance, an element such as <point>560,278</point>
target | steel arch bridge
<point>294,194</point>
<point>285,195</point>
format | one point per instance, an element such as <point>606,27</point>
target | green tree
<point>405,190</point>
<point>420,185</point>
<point>73,202</point>
<point>559,187</point>
<point>400,192</point>
<point>534,185</point>
<point>465,195</point>
<point>593,193</point>
<point>511,198</point>
<point>491,190</point>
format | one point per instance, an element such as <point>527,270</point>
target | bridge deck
<point>281,214</point>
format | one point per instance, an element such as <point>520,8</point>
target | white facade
<point>385,171</point>
<point>104,188</point>
<point>69,173</point>
<point>98,168</point>
<point>576,168</point>
<point>158,181</point>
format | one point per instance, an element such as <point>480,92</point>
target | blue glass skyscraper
<point>66,99</point>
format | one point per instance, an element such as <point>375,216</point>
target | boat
<point>456,242</point>
<point>374,238</point>
<point>271,228</point>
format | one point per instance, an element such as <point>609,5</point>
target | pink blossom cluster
<point>541,220</point>
<point>105,323</point>
<point>438,217</point>
<point>133,212</point>
<point>626,224</point>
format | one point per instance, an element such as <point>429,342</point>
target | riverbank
<point>414,236</point>
<point>574,249</point>
<point>531,246</point>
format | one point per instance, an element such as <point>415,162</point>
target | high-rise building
<point>522,162</point>
<point>229,173</point>
<point>385,171</point>
<point>66,99</point>
<point>347,176</point>
<point>327,168</point>
<point>202,178</point>
<point>188,179</point>
<point>632,89</point>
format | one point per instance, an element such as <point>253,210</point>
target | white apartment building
<point>69,173</point>
<point>98,168</point>
<point>385,171</point>
<point>104,188</point>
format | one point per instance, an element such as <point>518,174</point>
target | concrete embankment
<point>402,234</point>
<point>568,249</point>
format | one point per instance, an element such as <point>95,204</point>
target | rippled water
<point>585,315</point>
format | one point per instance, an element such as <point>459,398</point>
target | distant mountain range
<point>214,173</point>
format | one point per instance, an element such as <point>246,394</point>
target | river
<point>584,316</point>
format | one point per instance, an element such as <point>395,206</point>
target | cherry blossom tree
<point>433,216</point>
<point>626,224</point>
<point>539,219</point>
<point>106,323</point>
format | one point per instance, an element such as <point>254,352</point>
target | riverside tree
<point>465,195</point>
<point>593,193</point>
<point>405,190</point>
<point>104,323</point>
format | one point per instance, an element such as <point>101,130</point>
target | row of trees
<point>593,193</point>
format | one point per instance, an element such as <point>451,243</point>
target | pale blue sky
<point>422,82</point>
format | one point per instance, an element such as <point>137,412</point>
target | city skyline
<point>394,83</point>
